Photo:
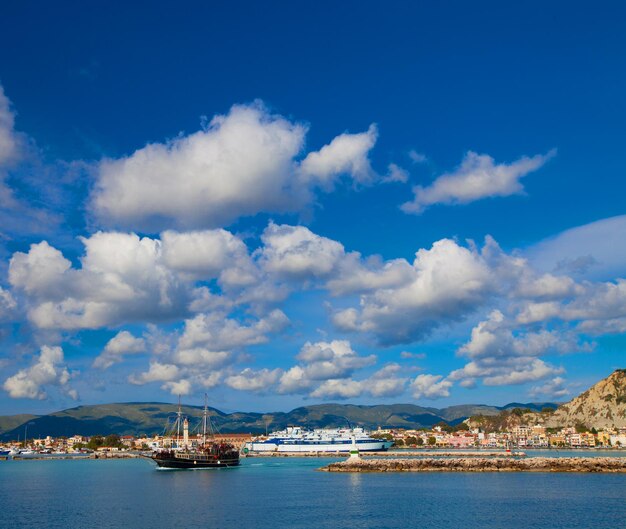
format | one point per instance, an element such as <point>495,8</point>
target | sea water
<point>288,493</point>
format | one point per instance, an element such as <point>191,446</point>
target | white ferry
<point>296,439</point>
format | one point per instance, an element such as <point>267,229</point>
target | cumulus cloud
<point>209,254</point>
<point>203,353</point>
<point>554,388</point>
<point>322,361</point>
<point>338,389</point>
<point>158,372</point>
<point>495,337</point>
<point>430,387</point>
<point>122,279</point>
<point>446,282</point>
<point>180,387</point>
<point>599,308</point>
<point>209,339</point>
<point>48,369</point>
<point>387,382</point>
<point>502,355</point>
<point>255,381</point>
<point>295,252</point>
<point>122,344</point>
<point>477,177</point>
<point>384,383</point>
<point>345,154</point>
<point>243,163</point>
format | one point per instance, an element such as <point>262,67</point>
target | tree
<point>113,441</point>
<point>445,427</point>
<point>95,442</point>
<point>420,441</point>
<point>412,441</point>
<point>432,441</point>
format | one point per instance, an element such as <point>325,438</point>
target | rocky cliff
<point>601,406</point>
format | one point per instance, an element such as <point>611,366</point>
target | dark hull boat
<point>204,454</point>
<point>216,456</point>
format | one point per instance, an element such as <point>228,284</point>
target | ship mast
<point>179,414</point>
<point>204,420</point>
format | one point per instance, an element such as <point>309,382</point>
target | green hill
<point>10,422</point>
<point>150,418</point>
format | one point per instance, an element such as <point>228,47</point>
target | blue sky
<point>289,203</point>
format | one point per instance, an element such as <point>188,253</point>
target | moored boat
<point>296,439</point>
<point>208,453</point>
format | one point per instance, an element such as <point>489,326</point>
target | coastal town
<point>438,437</point>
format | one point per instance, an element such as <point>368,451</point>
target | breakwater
<point>497,464</point>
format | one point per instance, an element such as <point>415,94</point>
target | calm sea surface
<point>281,493</point>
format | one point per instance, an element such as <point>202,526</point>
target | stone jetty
<point>497,464</point>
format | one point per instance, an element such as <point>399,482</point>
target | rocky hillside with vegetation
<point>601,406</point>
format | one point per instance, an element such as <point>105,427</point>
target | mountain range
<point>150,418</point>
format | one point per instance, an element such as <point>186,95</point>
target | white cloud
<point>494,337</point>
<point>386,382</point>
<point>180,387</point>
<point>535,370</point>
<point>204,352</point>
<point>122,344</point>
<point>216,332</point>
<point>7,304</point>
<point>46,370</point>
<point>417,157</point>
<point>122,279</point>
<point>345,154</point>
<point>322,361</point>
<point>599,308</point>
<point>430,387</point>
<point>295,252</point>
<point>255,381</point>
<point>243,163</point>
<point>396,174</point>
<point>209,254</point>
<point>477,177</point>
<point>554,388</point>
<point>338,389</point>
<point>158,372</point>
<point>40,272</point>
<point>447,282</point>
<point>502,354</point>
<point>356,275</point>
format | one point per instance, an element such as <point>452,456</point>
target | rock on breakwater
<point>461,464</point>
